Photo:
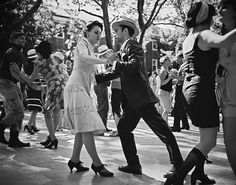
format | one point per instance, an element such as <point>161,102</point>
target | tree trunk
<point>107,27</point>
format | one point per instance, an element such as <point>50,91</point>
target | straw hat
<point>59,55</point>
<point>126,22</point>
<point>102,49</point>
<point>31,53</point>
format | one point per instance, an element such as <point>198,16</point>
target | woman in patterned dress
<point>80,112</point>
<point>55,81</point>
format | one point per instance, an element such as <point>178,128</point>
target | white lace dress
<point>80,113</point>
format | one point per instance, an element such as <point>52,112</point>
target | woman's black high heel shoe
<point>102,171</point>
<point>52,143</point>
<point>173,180</point>
<point>34,128</point>
<point>202,178</point>
<point>45,143</point>
<point>78,166</point>
<point>28,129</point>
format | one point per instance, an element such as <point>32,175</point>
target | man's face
<point>179,60</point>
<point>68,63</point>
<point>119,34</point>
<point>20,41</point>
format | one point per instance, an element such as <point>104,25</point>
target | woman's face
<point>228,15</point>
<point>94,35</point>
<point>39,55</point>
<point>167,62</point>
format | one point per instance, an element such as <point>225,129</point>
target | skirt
<point>200,102</point>
<point>80,113</point>
<point>33,100</point>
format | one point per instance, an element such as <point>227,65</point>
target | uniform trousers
<point>128,122</point>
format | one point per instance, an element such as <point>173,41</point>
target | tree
<point>103,4</point>
<point>13,15</point>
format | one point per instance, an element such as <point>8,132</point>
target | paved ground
<point>37,165</point>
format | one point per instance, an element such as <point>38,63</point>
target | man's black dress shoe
<point>174,129</point>
<point>185,128</point>
<point>131,169</point>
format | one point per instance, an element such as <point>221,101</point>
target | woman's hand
<point>35,86</point>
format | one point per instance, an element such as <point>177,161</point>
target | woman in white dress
<point>80,112</point>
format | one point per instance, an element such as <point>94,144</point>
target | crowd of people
<point>52,86</point>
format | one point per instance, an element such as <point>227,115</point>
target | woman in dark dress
<point>200,50</point>
<point>33,99</point>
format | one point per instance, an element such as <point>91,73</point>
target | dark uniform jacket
<point>136,90</point>
<point>13,54</point>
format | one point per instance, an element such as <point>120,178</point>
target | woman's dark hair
<point>130,30</point>
<point>44,48</point>
<point>193,12</point>
<point>91,25</point>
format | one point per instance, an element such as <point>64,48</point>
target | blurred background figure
<point>33,98</point>
<point>165,90</point>
<point>101,90</point>
<point>69,66</point>
<point>115,103</point>
<point>179,111</point>
<point>59,58</point>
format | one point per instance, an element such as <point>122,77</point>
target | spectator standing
<point>69,65</point>
<point>115,103</point>
<point>166,86</point>
<point>101,91</point>
<point>179,110</point>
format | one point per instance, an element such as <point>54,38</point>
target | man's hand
<point>15,68</point>
<point>110,56</point>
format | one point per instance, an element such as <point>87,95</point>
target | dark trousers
<point>179,109</point>
<point>154,120</point>
<point>101,91</point>
<point>116,101</point>
<point>13,105</point>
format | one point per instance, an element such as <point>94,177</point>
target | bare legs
<point>78,143</point>
<point>207,139</point>
<point>32,120</point>
<point>196,158</point>
<point>165,102</point>
<point>230,140</point>
<point>52,120</point>
<point>87,139</point>
<point>56,117</point>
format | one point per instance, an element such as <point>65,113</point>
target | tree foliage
<point>13,15</point>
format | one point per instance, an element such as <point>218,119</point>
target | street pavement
<point>39,166</point>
